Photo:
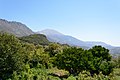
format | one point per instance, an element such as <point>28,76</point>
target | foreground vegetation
<point>22,60</point>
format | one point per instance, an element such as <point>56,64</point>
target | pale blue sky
<point>87,20</point>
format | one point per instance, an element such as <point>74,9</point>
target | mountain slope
<point>50,32</point>
<point>115,51</point>
<point>35,39</point>
<point>16,28</point>
<point>55,36</point>
<point>93,43</point>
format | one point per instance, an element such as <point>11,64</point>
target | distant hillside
<point>27,35</point>
<point>115,51</point>
<point>35,39</point>
<point>93,43</point>
<point>50,32</point>
<point>55,36</point>
<point>58,37</point>
<point>16,28</point>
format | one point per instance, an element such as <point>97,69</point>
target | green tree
<point>101,60</point>
<point>53,49</point>
<point>70,59</point>
<point>75,60</point>
<point>119,61</point>
<point>29,52</point>
<point>100,52</point>
<point>40,57</point>
<point>10,55</point>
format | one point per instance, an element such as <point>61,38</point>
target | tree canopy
<point>75,60</point>
<point>21,60</point>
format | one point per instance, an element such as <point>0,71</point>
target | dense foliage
<point>35,39</point>
<point>75,60</point>
<point>11,52</point>
<point>21,60</point>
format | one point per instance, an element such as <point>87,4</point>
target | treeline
<point>21,60</point>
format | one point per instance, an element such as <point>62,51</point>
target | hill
<point>16,28</point>
<point>35,39</point>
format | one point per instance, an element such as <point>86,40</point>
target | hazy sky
<point>87,20</point>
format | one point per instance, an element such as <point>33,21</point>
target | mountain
<point>93,43</point>
<point>35,39</point>
<point>16,28</point>
<point>115,51</point>
<point>55,36</point>
<point>58,37</point>
<point>21,30</point>
<point>50,32</point>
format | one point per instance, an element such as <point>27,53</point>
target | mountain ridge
<point>50,32</point>
<point>54,36</point>
<point>92,43</point>
<point>17,28</point>
<point>83,44</point>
